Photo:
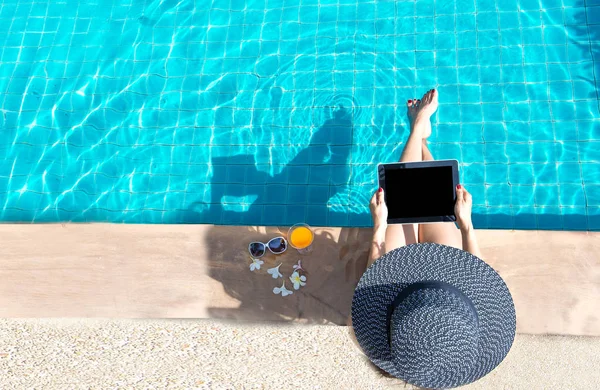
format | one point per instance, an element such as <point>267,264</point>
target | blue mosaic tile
<point>575,218</point>
<point>525,218</point>
<point>549,218</point>
<point>217,125</point>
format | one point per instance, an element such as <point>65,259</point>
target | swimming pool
<point>271,113</point>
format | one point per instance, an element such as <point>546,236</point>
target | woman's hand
<point>379,210</point>
<point>462,208</point>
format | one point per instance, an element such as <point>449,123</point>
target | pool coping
<point>202,271</point>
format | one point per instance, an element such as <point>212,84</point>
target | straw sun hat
<point>433,315</point>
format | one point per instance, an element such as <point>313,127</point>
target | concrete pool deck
<point>210,354</point>
<point>202,271</point>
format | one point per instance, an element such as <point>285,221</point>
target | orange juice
<point>301,237</point>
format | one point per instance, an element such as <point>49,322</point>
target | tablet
<point>419,192</point>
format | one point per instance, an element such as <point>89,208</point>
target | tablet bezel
<point>420,164</point>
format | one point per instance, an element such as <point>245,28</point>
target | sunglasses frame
<point>267,246</point>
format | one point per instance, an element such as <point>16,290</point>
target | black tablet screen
<point>419,192</point>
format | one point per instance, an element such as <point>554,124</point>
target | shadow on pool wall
<point>243,195</point>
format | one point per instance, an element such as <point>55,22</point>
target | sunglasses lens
<point>277,245</point>
<point>257,249</point>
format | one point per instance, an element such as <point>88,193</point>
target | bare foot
<point>419,112</point>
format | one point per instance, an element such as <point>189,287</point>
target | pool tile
<point>569,173</point>
<point>519,153</point>
<point>276,194</point>
<point>316,215</point>
<point>318,195</point>
<point>592,194</point>
<point>274,215</point>
<point>588,130</point>
<point>500,218</point>
<point>521,174</point>
<point>472,173</point>
<point>525,217</point>
<point>232,218</point>
<point>586,110</point>
<point>449,152</point>
<point>575,218</point>
<point>493,112</point>
<point>360,220</point>
<point>498,79</point>
<point>545,173</point>
<point>473,153</point>
<point>546,195</point>
<point>590,173</point>
<point>319,174</point>
<point>466,39</point>
<point>297,194</point>
<point>496,153</point>
<point>297,174</point>
<point>594,218</point>
<point>478,193</point>
<point>498,195</point>
<point>479,217</point>
<point>471,113</point>
<point>549,218</point>
<point>469,93</point>
<point>496,173</point>
<point>337,218</point>
<point>494,132</point>
<point>572,195</point>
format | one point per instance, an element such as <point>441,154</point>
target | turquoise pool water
<point>269,112</point>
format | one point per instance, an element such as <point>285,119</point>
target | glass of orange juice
<point>301,237</point>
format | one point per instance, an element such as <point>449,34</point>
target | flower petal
<point>275,272</point>
<point>284,291</point>
<point>256,263</point>
<point>299,265</point>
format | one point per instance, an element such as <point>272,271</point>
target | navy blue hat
<point>433,315</point>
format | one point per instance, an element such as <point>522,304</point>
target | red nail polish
<point>459,186</point>
<point>380,189</point>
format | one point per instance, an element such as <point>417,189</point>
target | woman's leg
<point>442,232</point>
<point>420,128</point>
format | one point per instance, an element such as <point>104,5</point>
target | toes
<point>409,103</point>
<point>426,97</point>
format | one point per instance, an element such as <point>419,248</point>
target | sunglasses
<point>276,245</point>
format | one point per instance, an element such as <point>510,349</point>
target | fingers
<point>373,201</point>
<point>466,195</point>
<point>380,198</point>
<point>377,197</point>
<point>462,194</point>
<point>427,96</point>
<point>459,193</point>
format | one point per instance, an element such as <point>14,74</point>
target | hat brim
<point>401,267</point>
